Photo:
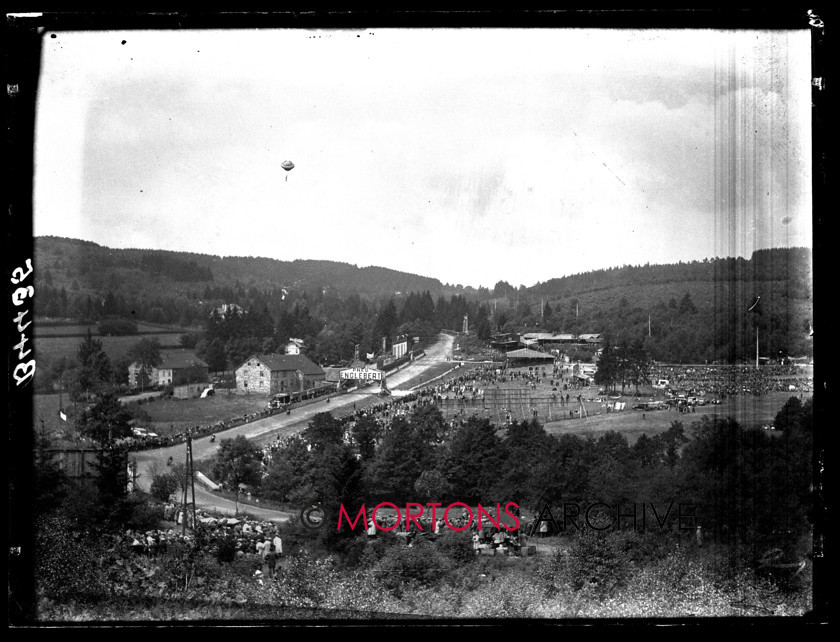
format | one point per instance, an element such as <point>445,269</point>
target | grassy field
<point>520,401</point>
<point>167,415</point>
<point>170,415</point>
<point>80,330</point>
<point>748,411</point>
<point>51,349</point>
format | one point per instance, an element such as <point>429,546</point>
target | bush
<point>597,563</point>
<point>189,340</point>
<point>117,328</point>
<point>304,581</point>
<point>512,596</point>
<point>226,550</point>
<point>142,515</point>
<point>163,486</point>
<point>66,563</point>
<point>422,563</point>
<point>457,547</point>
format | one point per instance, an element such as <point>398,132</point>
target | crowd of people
<point>490,535</point>
<point>258,541</point>
<point>480,383</point>
<point>725,380</point>
<point>461,389</point>
<point>148,442</point>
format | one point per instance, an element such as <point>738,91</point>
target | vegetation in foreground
<point>756,559</point>
<point>594,576</point>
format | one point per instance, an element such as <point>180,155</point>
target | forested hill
<point>791,265</point>
<point>686,312</point>
<point>99,268</point>
<point>693,311</point>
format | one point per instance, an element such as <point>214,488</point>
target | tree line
<point>746,488</point>
<point>687,312</point>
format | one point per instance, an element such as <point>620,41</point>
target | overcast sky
<point>469,155</point>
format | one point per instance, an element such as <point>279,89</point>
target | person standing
<point>263,549</point>
<point>270,558</point>
<point>278,549</point>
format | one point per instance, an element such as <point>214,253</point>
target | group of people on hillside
<point>725,380</point>
<point>259,541</point>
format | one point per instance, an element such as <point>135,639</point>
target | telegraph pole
<point>753,308</point>
<point>184,496</point>
<point>192,480</point>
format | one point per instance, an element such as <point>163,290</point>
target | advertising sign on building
<point>362,374</point>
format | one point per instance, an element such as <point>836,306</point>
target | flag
<point>370,355</point>
<point>62,415</point>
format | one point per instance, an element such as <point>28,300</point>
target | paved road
<point>265,430</point>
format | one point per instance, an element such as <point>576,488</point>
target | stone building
<point>275,373</point>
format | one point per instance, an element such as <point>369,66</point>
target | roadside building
<point>278,373</point>
<point>191,390</point>
<point>527,357</point>
<point>544,340</point>
<point>504,342</point>
<point>175,367</point>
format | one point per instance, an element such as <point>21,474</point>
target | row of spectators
<point>147,442</point>
<point>248,536</point>
<point>722,381</point>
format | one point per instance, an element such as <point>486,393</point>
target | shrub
<point>421,563</point>
<point>117,327</point>
<point>594,563</point>
<point>457,547</point>
<point>359,591</point>
<point>598,562</point>
<point>226,550</point>
<point>142,515</point>
<point>163,486</point>
<point>189,340</point>
<point>305,581</point>
<point>66,563</point>
<point>511,596</point>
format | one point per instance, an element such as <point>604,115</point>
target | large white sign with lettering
<point>364,374</point>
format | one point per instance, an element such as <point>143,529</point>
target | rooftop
<point>286,362</point>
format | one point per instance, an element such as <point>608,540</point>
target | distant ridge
<point>258,272</point>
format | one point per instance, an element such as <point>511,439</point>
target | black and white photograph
<point>407,318</point>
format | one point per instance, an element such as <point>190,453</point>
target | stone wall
<point>253,377</point>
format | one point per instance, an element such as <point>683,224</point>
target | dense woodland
<point>688,312</point>
<point>750,490</point>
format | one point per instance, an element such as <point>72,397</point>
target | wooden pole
<point>192,480</point>
<point>184,498</point>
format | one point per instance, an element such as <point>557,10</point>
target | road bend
<point>268,429</point>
